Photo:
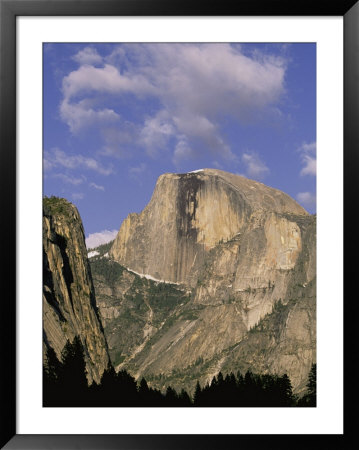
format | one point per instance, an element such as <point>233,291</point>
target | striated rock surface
<point>188,215</point>
<point>247,252</point>
<point>69,305</point>
<point>254,329</point>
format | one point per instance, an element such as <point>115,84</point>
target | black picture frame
<point>9,10</point>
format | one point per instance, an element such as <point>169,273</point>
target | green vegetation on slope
<point>109,270</point>
<point>56,205</point>
<point>102,249</point>
<point>261,340</point>
<point>132,308</point>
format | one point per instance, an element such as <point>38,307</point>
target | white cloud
<point>217,165</point>
<point>95,239</point>
<point>307,199</point>
<point>47,163</point>
<point>312,147</point>
<point>87,56</point>
<point>120,140</point>
<point>208,79</point>
<point>310,167</point>
<point>195,87</point>
<point>255,167</point>
<point>80,115</point>
<point>69,180</point>
<point>78,195</point>
<point>205,134</point>
<point>156,132</point>
<point>58,158</point>
<point>138,170</point>
<point>137,173</point>
<point>107,79</point>
<point>182,152</point>
<point>96,186</point>
<point>309,159</point>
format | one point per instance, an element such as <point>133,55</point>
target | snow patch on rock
<point>92,254</point>
<point>150,277</point>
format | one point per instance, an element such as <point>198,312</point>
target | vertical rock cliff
<point>247,252</point>
<point>188,215</point>
<point>69,305</point>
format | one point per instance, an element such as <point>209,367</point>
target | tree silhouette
<point>171,397</point>
<point>73,381</point>
<point>144,392</point>
<point>52,372</point>
<point>310,398</point>
<point>312,385</point>
<point>65,384</point>
<point>250,391</point>
<point>197,395</point>
<point>285,397</point>
<point>127,387</point>
<point>107,394</point>
<point>184,399</point>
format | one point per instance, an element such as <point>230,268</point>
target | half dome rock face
<point>253,308</point>
<point>69,305</point>
<point>190,213</point>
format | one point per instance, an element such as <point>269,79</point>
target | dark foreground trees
<point>310,398</point>
<point>250,390</point>
<point>65,384</point>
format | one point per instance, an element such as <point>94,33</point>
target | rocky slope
<point>132,308</point>
<point>246,251</point>
<point>69,305</point>
<point>217,337</point>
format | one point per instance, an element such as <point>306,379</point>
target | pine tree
<point>52,372</point>
<point>197,395</point>
<point>143,392</point>
<point>220,378</point>
<point>108,392</point>
<point>286,393</point>
<point>171,397</point>
<point>73,377</point>
<point>52,366</point>
<point>312,386</point>
<point>184,399</point>
<point>310,398</point>
<point>127,388</point>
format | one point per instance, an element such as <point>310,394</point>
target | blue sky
<point>116,116</point>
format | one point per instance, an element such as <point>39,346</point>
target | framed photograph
<point>182,168</point>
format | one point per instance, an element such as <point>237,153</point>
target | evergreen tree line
<point>65,384</point>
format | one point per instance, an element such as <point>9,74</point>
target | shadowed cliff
<point>69,304</point>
